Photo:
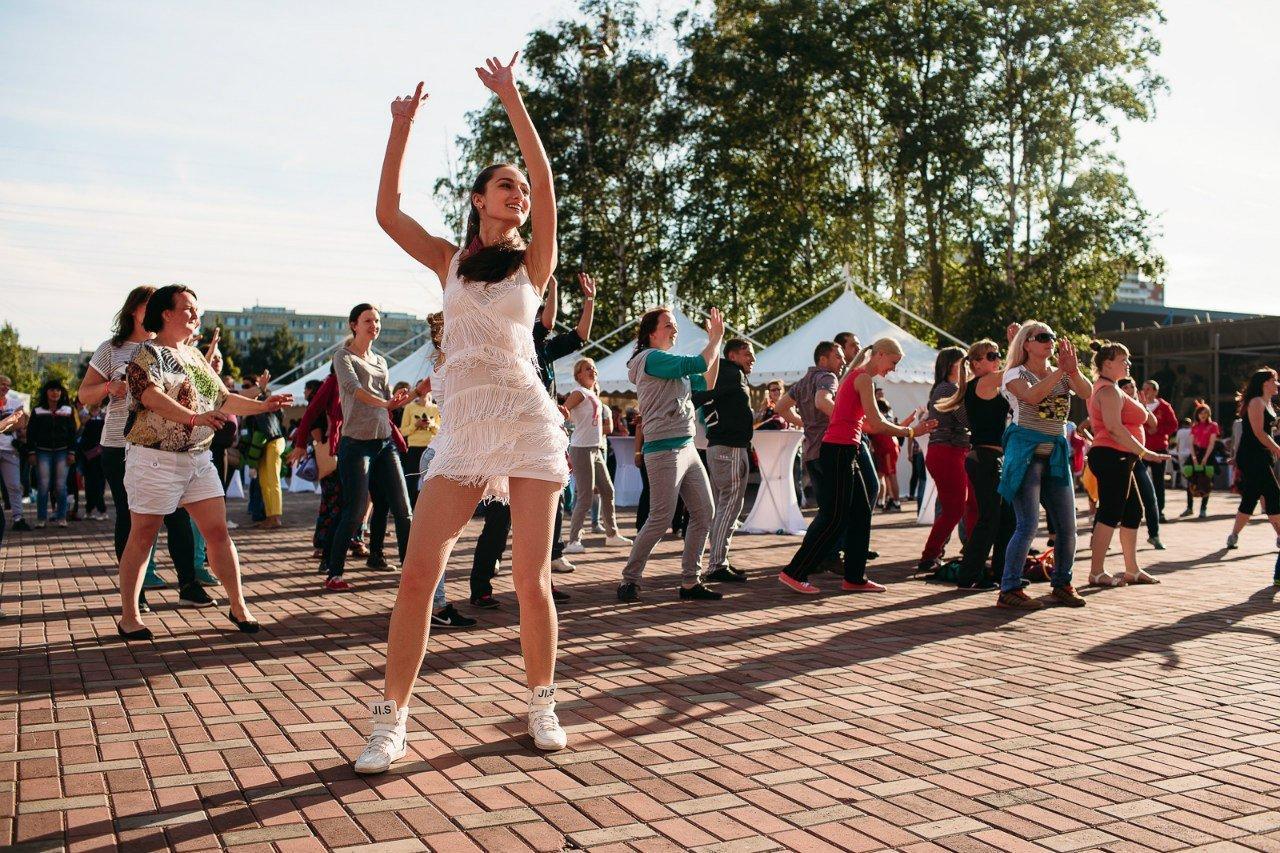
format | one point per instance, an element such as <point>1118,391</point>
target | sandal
<point>1105,581</point>
<point>1140,578</point>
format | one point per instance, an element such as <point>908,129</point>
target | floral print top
<point>182,374</point>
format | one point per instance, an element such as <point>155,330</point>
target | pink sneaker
<point>336,585</point>
<point>802,587</point>
<point>865,586</point>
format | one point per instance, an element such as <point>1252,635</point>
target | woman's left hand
<point>498,78</point>
<point>1067,359</point>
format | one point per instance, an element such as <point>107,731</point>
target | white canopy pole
<point>849,283</point>
<point>796,308</point>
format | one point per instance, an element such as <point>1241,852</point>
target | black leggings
<point>1118,501</point>
<point>1258,481</point>
<point>994,528</point>
<point>844,516</point>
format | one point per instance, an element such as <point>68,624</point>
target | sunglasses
<point>990,356</point>
<point>1044,337</point>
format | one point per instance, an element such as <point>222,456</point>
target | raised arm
<point>551,304</point>
<point>588,286</point>
<point>711,352</point>
<point>433,252</point>
<point>540,258</point>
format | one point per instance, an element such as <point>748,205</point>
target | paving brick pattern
<point>921,719</point>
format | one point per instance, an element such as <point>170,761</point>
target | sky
<point>235,147</point>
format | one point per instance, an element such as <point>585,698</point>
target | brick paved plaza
<point>922,719</point>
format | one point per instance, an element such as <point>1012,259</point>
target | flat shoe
<point>129,636</point>
<point>1106,581</point>
<point>1140,579</point>
<point>248,626</point>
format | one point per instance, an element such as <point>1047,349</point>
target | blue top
<point>1019,450</point>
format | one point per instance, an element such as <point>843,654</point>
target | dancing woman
<point>986,411</point>
<point>176,403</point>
<point>664,385</point>
<point>1256,455</point>
<point>500,436</point>
<point>590,475</point>
<point>844,503</point>
<point>945,455</point>
<point>1037,458</point>
<point>1117,420</point>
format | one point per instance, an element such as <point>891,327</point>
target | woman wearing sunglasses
<point>1037,458</point>
<point>988,518</point>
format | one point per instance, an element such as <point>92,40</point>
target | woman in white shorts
<point>176,403</point>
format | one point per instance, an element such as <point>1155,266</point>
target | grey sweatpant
<point>728,467</point>
<point>672,473</point>
<point>11,471</point>
<point>590,477</point>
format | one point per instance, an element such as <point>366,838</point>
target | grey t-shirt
<point>805,393</point>
<point>361,421</point>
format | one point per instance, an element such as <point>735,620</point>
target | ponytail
<point>978,348</point>
<point>881,346</point>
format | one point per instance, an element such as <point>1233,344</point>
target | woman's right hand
<point>213,420</point>
<point>1156,457</point>
<point>296,455</point>
<point>117,389</point>
<point>407,107</point>
<point>398,399</point>
<point>926,427</point>
<point>715,325</point>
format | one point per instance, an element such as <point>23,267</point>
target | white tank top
<point>587,430</point>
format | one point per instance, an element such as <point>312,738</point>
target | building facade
<point>317,332</point>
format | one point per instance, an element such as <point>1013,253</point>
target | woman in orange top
<point>1117,422</point>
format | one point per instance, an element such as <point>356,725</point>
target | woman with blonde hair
<point>586,458</point>
<point>844,505</point>
<point>1037,457</point>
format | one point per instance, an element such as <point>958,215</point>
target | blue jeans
<point>51,473</point>
<point>1060,506</point>
<point>365,466</point>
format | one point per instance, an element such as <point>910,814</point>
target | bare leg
<point>1241,521</point>
<point>1129,548</point>
<point>1099,543</point>
<point>447,507</point>
<point>137,551</point>
<point>532,515</point>
<point>210,516</point>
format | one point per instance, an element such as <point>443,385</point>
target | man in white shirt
<point>10,461</point>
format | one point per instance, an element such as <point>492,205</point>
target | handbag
<point>326,462</point>
<point>309,470</point>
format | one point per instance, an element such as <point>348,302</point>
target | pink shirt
<point>1204,432</point>
<point>848,415</point>
<point>1133,415</point>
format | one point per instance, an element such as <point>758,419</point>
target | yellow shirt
<point>420,423</point>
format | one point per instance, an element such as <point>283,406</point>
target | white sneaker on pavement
<point>544,725</point>
<point>562,566</point>
<point>387,743</point>
<point>616,541</point>
<point>575,547</point>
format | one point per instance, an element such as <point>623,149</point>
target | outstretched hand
<point>407,107</point>
<point>498,78</point>
<point>715,325</point>
<point>588,285</point>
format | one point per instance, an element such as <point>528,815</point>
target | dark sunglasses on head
<point>1044,337</point>
<point>990,356</point>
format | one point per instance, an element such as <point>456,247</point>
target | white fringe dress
<point>497,421</point>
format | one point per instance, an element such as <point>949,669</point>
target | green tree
<point>232,357</point>
<point>17,362</point>
<point>277,352</point>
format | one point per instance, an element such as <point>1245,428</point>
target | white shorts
<point>160,481</point>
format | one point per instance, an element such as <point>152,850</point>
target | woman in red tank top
<point>1117,422</point>
<point>844,507</point>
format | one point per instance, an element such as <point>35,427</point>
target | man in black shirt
<point>726,411</point>
<point>497,516</point>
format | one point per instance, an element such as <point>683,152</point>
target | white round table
<point>627,484</point>
<point>776,509</point>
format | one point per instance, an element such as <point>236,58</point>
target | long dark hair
<point>487,263</point>
<point>124,325</point>
<point>947,358</point>
<point>646,327</point>
<point>42,399</point>
<point>1253,388</point>
<point>161,301</point>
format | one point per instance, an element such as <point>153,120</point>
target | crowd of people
<point>490,433</point>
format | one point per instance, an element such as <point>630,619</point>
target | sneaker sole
<point>548,747</point>
<point>374,771</point>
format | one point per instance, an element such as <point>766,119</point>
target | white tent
<point>320,372</point>
<point>612,369</point>
<point>414,367</point>
<point>905,388</point>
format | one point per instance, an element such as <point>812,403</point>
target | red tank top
<point>848,414</point>
<point>1133,415</point>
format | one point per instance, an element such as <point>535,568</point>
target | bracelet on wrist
<point>192,423</point>
<point>911,432</point>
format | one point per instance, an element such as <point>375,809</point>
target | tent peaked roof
<point>414,367</point>
<point>612,369</point>
<point>790,357</point>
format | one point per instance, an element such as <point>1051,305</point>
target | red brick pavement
<point>922,719</point>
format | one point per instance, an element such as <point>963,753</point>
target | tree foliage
<point>277,352</point>
<point>950,155</point>
<point>17,362</point>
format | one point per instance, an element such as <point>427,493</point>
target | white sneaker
<point>387,743</point>
<point>62,522</point>
<point>562,566</point>
<point>596,528</point>
<point>231,525</point>
<point>39,525</point>
<point>544,726</point>
<point>575,547</point>
<point>616,541</point>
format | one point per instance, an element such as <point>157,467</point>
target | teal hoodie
<point>1019,447</point>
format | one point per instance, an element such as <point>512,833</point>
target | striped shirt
<point>1049,416</point>
<point>110,361</point>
